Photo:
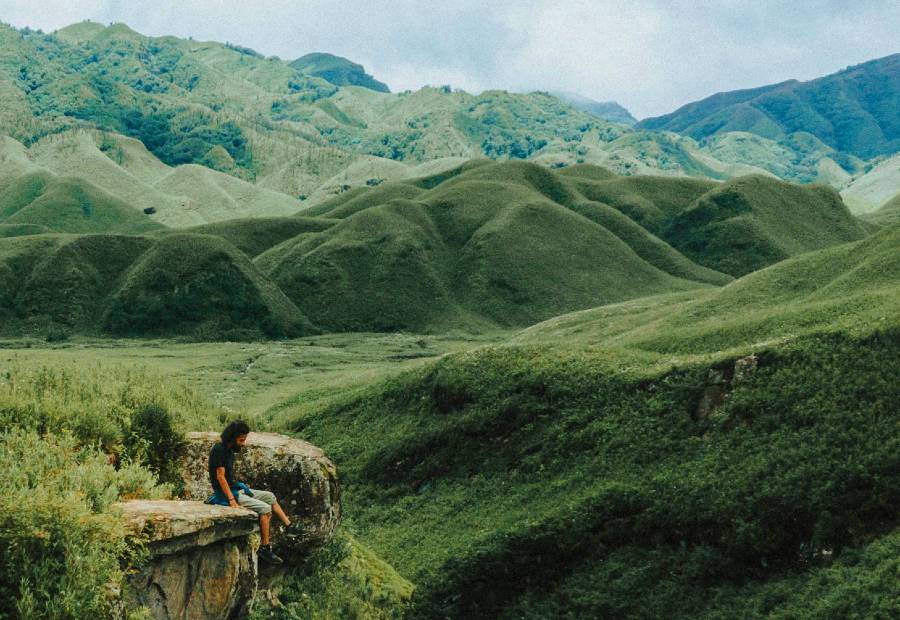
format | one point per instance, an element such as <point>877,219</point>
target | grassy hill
<point>487,244</point>
<point>186,195</point>
<point>265,121</point>
<point>575,469</point>
<point>866,193</point>
<point>887,215</point>
<point>751,222</point>
<point>853,111</point>
<point>480,246</point>
<point>338,71</point>
<point>67,204</point>
<point>194,285</point>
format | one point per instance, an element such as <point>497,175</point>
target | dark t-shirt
<point>220,456</point>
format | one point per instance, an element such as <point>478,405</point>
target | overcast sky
<point>649,55</point>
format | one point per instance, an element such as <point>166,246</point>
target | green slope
<point>193,285</point>
<point>650,201</point>
<point>487,244</point>
<point>67,204</point>
<point>870,191</point>
<point>200,284</point>
<point>853,111</point>
<point>481,246</point>
<point>261,120</point>
<point>887,215</point>
<point>573,473</point>
<point>337,70</point>
<point>254,236</point>
<point>751,222</point>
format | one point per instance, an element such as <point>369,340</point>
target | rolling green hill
<point>178,284</point>
<point>67,204</point>
<point>254,236</point>
<point>487,244</point>
<point>887,215</point>
<point>575,470</point>
<point>186,195</point>
<point>480,246</point>
<point>751,222</point>
<point>263,120</point>
<point>853,111</point>
<point>338,71</point>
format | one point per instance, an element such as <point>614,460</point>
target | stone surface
<point>202,561</point>
<point>303,479</point>
<point>744,368</point>
<point>720,382</point>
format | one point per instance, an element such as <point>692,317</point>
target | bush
<point>62,543</point>
<point>57,334</point>
<point>155,442</point>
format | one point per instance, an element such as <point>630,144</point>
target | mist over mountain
<point>608,110</point>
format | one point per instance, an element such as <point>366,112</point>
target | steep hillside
<point>338,71</point>
<point>618,463</point>
<point>853,111</point>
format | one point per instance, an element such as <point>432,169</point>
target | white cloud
<point>650,55</point>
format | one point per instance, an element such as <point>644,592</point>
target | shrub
<point>62,543</point>
<point>155,442</point>
<point>56,333</point>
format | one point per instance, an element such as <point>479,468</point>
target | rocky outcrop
<point>303,479</point>
<point>202,560</point>
<point>721,381</point>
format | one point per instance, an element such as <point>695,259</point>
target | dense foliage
<point>644,510</point>
<point>63,429</point>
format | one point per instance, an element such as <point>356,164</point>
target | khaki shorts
<point>260,503</point>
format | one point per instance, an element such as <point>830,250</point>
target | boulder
<point>303,479</point>
<point>202,560</point>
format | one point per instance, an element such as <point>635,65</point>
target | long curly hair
<point>233,430</point>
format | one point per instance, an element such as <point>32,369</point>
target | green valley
<point>566,364</point>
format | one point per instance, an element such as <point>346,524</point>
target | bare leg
<point>264,528</point>
<point>276,508</point>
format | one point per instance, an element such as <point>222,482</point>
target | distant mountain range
<point>320,125</point>
<point>855,111</point>
<point>608,110</point>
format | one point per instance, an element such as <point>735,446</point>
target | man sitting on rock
<point>228,492</point>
